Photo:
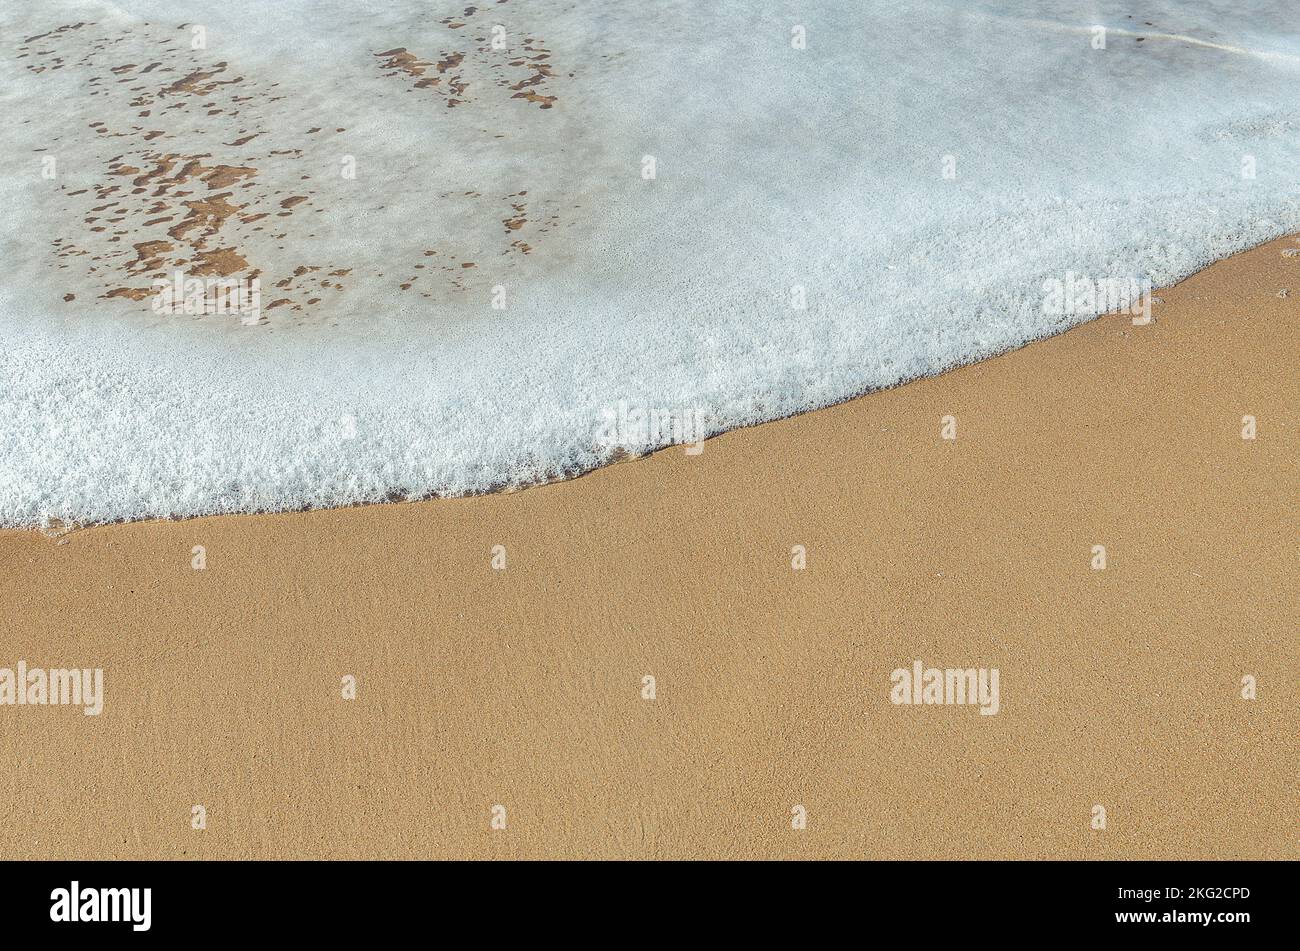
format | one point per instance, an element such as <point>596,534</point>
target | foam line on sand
<point>523,686</point>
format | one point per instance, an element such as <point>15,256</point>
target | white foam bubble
<point>776,168</point>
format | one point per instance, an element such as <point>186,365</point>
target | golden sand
<point>524,688</point>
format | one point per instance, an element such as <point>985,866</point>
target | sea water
<point>475,233</point>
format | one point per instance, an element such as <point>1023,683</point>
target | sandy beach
<point>524,687</point>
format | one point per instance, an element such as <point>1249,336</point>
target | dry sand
<point>522,687</point>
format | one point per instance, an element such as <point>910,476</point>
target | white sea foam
<point>775,168</point>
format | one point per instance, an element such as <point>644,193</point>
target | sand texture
<point>523,687</point>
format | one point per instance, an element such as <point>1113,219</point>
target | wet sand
<point>523,687</point>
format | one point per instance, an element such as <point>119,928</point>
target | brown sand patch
<point>481,61</point>
<point>163,184</point>
<point>207,214</point>
<point>544,101</point>
<point>149,255</point>
<point>223,176</point>
<point>132,293</point>
<point>219,262</point>
<point>196,83</point>
<point>403,60</point>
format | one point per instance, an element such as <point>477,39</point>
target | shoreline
<point>624,456</point>
<point>523,686</point>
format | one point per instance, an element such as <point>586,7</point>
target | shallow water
<point>480,231</point>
